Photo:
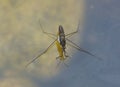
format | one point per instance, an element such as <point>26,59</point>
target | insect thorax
<point>61,37</point>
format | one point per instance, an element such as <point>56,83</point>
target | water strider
<point>61,40</point>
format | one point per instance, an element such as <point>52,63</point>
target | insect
<point>61,39</point>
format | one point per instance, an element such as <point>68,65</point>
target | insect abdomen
<point>60,50</point>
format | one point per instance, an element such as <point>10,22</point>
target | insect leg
<point>46,32</point>
<point>58,57</point>
<point>66,55</point>
<point>72,33</point>
<point>36,57</point>
<point>81,49</point>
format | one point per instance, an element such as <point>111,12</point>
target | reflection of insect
<point>60,40</point>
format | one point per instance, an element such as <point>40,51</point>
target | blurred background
<point>21,39</point>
